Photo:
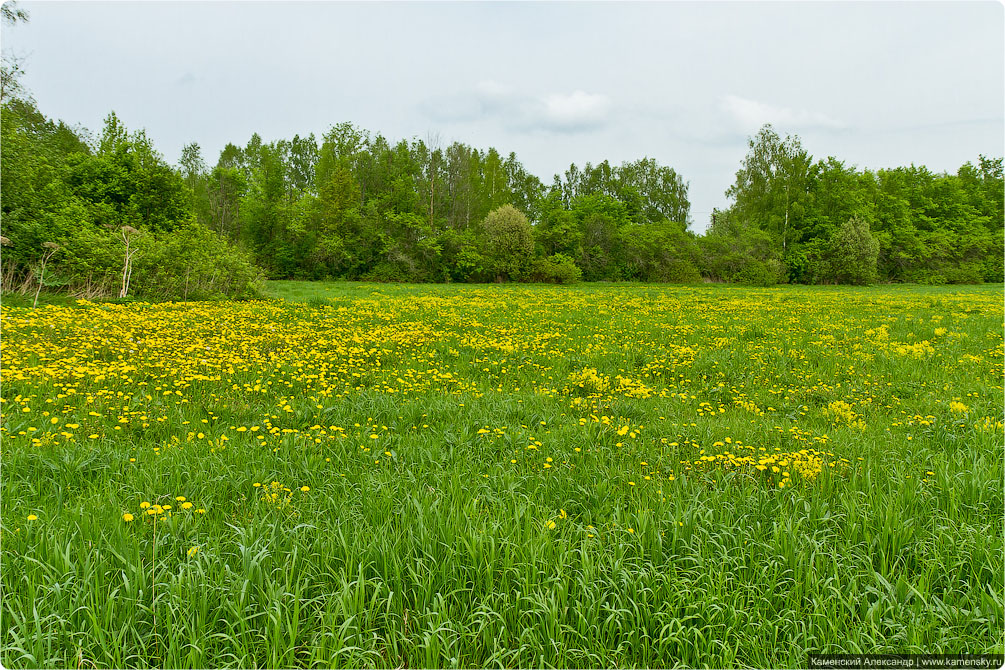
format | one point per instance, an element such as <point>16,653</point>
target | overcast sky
<point>875,84</point>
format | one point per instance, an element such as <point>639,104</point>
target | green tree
<point>771,185</point>
<point>11,66</point>
<point>853,253</point>
<point>510,243</point>
<point>733,250</point>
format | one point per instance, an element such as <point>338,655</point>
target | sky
<point>874,84</point>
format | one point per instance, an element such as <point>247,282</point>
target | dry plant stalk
<point>53,248</point>
<point>128,234</point>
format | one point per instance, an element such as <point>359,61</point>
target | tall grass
<point>419,543</point>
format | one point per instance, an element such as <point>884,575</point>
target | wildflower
<point>192,551</point>
<point>305,489</point>
<point>127,517</point>
<point>32,517</point>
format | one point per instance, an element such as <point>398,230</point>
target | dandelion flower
<point>127,517</point>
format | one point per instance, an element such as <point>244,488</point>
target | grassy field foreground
<point>428,476</point>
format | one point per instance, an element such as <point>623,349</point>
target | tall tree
<point>771,185</point>
<point>11,66</point>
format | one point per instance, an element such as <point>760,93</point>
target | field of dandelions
<point>435,476</point>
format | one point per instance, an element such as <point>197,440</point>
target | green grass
<point>26,300</point>
<point>425,546</point>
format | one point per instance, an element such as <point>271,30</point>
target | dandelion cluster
<point>774,469</point>
<point>158,512</point>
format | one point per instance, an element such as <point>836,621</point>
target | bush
<point>194,263</point>
<point>386,271</point>
<point>853,253</point>
<point>993,270</point>
<point>761,273</point>
<point>511,243</point>
<point>556,269</point>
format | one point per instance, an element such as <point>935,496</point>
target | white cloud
<point>751,115</point>
<point>576,111</point>
<point>492,90</point>
<point>521,111</point>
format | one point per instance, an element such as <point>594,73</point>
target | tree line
<point>803,221</point>
<point>108,216</point>
<point>355,206</point>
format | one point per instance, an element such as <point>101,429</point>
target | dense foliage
<point>105,218</point>
<point>789,214</point>
<point>356,206</point>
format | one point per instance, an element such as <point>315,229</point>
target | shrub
<point>511,243</point>
<point>853,253</point>
<point>194,263</point>
<point>556,269</point>
<point>766,272</point>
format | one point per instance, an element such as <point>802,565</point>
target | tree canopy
<point>355,205</point>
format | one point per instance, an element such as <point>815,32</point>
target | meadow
<point>363,475</point>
